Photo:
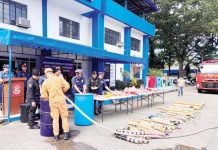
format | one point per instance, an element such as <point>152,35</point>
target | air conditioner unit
<point>23,22</point>
<point>120,44</point>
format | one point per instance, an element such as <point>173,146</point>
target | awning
<point>14,38</point>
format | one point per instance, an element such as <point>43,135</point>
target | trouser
<point>32,113</point>
<point>180,90</point>
<point>99,105</point>
<point>1,93</point>
<point>59,109</point>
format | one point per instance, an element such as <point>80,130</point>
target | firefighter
<point>53,89</point>
<point>78,83</point>
<point>93,85</point>
<point>26,74</point>
<point>100,90</point>
<point>33,98</point>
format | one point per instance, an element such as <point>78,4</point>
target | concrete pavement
<point>17,136</point>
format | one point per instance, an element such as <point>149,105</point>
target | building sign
<point>52,62</point>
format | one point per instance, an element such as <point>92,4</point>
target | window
<point>10,11</point>
<point>135,44</point>
<point>112,37</point>
<point>69,28</point>
<point>77,66</point>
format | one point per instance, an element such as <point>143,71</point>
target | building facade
<point>102,35</point>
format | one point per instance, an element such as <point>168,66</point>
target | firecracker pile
<point>161,124</point>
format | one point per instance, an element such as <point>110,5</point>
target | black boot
<point>57,137</point>
<point>34,127</point>
<point>96,113</point>
<point>66,136</point>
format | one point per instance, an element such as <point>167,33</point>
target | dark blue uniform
<point>3,76</point>
<point>32,95</point>
<point>80,82</point>
<point>26,75</point>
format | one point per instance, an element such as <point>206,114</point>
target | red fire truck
<point>207,76</point>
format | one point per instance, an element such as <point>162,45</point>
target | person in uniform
<point>53,89</point>
<point>4,74</point>
<point>24,74</point>
<point>93,86</point>
<point>100,90</point>
<point>58,72</point>
<point>33,98</point>
<point>78,83</point>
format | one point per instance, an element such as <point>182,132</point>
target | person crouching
<point>53,89</point>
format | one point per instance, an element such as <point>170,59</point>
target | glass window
<point>10,11</point>
<point>135,44</point>
<point>69,28</point>
<point>112,37</point>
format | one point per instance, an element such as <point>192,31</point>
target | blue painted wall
<point>114,10</point>
<point>44,18</point>
<point>98,39</point>
<point>127,45</point>
<point>145,55</point>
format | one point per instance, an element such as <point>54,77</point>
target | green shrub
<point>155,72</point>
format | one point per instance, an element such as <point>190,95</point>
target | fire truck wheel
<point>199,91</point>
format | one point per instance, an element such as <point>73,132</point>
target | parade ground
<point>17,136</point>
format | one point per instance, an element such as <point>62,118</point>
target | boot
<point>57,137</point>
<point>34,127</point>
<point>96,113</point>
<point>66,136</point>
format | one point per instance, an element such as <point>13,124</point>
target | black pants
<point>99,105</point>
<point>32,113</point>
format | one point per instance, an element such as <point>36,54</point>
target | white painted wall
<point>116,26</point>
<point>138,35</point>
<point>34,14</point>
<point>71,10</point>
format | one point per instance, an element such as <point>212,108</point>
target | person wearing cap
<point>33,98</point>
<point>53,89</point>
<point>58,72</point>
<point>93,85</point>
<point>24,74</point>
<point>4,74</point>
<point>78,83</point>
<point>100,90</point>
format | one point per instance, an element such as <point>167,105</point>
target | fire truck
<point>207,76</point>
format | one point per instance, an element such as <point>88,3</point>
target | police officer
<point>24,74</point>
<point>93,85</point>
<point>4,74</point>
<point>78,83</point>
<point>100,90</point>
<point>33,97</point>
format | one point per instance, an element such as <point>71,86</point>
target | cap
<point>78,70</point>
<point>48,70</point>
<point>5,66</point>
<point>94,72</point>
<point>35,72</point>
<point>100,72</point>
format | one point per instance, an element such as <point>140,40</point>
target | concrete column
<point>145,56</point>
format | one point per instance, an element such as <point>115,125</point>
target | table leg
<point>102,112</point>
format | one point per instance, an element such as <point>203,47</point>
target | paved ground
<point>17,136</point>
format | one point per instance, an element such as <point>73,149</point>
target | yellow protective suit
<point>53,89</point>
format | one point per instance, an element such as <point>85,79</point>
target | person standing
<point>41,78</point>
<point>33,98</point>
<point>4,74</point>
<point>181,85</point>
<point>58,72</point>
<point>53,89</point>
<point>24,74</point>
<point>93,87</point>
<point>78,83</point>
<point>100,91</point>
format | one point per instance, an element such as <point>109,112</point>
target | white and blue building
<point>95,34</point>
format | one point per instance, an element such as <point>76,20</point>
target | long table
<point>128,100</point>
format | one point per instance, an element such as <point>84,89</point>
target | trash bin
<point>86,103</point>
<point>46,128</point>
<point>24,112</point>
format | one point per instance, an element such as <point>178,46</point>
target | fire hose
<point>139,137</point>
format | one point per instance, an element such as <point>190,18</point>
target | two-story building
<point>100,35</point>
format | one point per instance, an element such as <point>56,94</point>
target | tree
<point>181,26</point>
